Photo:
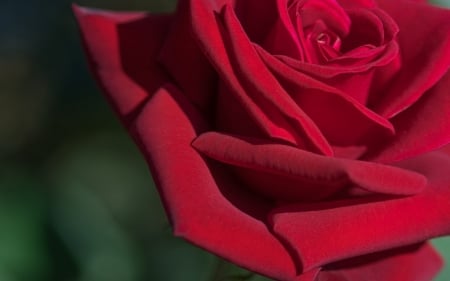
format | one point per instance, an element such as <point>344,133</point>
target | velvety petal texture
<point>414,263</point>
<point>367,225</point>
<point>423,65</point>
<point>204,204</point>
<point>303,140</point>
<point>290,174</point>
<point>120,58</point>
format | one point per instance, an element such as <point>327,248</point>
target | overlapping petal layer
<point>425,53</point>
<point>205,205</point>
<point>342,119</point>
<point>275,114</point>
<point>413,263</point>
<point>289,174</point>
<point>353,227</point>
<point>421,128</point>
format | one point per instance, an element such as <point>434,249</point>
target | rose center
<point>326,32</point>
<point>322,43</point>
<point>320,26</point>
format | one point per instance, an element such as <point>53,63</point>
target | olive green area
<point>77,202</point>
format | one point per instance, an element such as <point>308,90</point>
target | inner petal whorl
<point>326,31</point>
<point>329,11</point>
<point>320,26</point>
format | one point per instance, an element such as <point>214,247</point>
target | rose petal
<point>285,31</point>
<point>266,88</point>
<point>290,174</point>
<point>412,263</point>
<point>331,231</point>
<point>122,48</point>
<point>257,18</point>
<point>263,107</point>
<point>422,262</point>
<point>423,127</point>
<point>205,206</point>
<point>367,29</point>
<point>330,71</point>
<point>425,52</point>
<point>185,62</point>
<point>445,149</point>
<point>342,119</point>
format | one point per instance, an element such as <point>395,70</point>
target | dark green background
<point>76,199</point>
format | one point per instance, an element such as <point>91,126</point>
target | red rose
<point>291,137</point>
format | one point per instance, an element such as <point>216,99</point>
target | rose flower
<point>296,138</point>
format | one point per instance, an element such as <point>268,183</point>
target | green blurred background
<point>76,199</point>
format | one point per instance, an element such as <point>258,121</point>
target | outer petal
<point>412,263</point>
<point>331,231</point>
<point>423,127</point>
<point>291,174</point>
<point>186,63</point>
<point>425,49</point>
<point>122,48</point>
<point>204,204</point>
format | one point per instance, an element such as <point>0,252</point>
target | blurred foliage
<point>76,199</point>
